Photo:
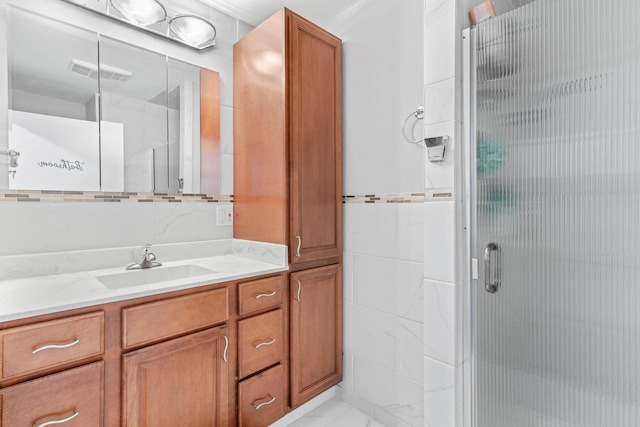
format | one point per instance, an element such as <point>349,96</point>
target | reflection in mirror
<point>133,87</point>
<point>134,121</point>
<point>53,109</point>
<point>184,127</point>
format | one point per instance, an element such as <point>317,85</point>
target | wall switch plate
<point>224,215</point>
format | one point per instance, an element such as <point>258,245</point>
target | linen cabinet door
<point>316,332</point>
<point>315,142</point>
<point>182,382</point>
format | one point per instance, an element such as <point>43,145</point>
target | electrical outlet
<point>225,215</point>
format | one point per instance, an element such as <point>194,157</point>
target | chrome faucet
<point>148,260</point>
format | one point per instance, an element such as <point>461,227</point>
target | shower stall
<point>554,179</point>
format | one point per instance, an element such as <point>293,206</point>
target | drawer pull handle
<point>299,287</point>
<point>265,343</point>
<point>270,294</point>
<point>299,245</point>
<point>226,347</point>
<point>269,402</point>
<point>49,423</point>
<point>58,346</point>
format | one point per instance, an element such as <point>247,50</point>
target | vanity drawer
<point>261,398</point>
<point>260,342</point>
<point>146,323</point>
<point>260,294</point>
<point>74,395</point>
<point>32,348</point>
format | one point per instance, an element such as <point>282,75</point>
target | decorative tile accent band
<point>93,197</point>
<point>386,198</point>
<point>132,197</point>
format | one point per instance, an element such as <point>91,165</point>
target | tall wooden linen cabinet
<point>288,181</point>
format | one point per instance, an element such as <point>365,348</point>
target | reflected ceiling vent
<point>107,72</point>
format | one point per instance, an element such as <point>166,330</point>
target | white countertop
<point>32,291</point>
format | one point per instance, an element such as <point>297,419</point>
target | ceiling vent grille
<point>107,72</point>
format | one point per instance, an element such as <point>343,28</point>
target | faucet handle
<point>146,249</point>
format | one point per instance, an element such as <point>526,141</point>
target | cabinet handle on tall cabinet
<point>226,347</point>
<point>299,245</point>
<point>299,287</point>
<point>49,423</point>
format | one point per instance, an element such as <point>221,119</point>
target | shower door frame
<point>468,259</point>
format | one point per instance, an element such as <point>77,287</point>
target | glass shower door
<point>557,200</point>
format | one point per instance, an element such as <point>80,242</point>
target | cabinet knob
<point>226,347</point>
<point>299,245</point>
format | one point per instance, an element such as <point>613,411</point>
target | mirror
<point>91,113</point>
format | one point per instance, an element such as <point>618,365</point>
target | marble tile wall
<point>52,227</point>
<point>442,307</point>
<point>383,314</point>
<point>383,211</point>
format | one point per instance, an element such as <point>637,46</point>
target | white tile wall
<point>439,241</point>
<point>382,85</point>
<point>386,230</point>
<point>32,227</point>
<point>441,297</point>
<point>371,335</point>
<point>440,321</point>
<point>400,399</point>
<point>439,394</point>
<point>383,311</point>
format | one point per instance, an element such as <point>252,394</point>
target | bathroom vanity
<point>238,334</point>
<point>172,356</point>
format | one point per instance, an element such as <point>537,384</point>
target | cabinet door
<point>316,332</point>
<point>315,142</point>
<point>182,382</point>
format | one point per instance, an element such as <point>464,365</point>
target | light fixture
<point>140,12</point>
<point>151,16</point>
<point>193,29</point>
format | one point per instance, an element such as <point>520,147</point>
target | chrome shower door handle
<point>492,276</point>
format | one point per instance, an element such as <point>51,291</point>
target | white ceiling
<point>256,11</point>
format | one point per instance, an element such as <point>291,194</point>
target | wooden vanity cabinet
<point>316,331</point>
<point>288,138</point>
<point>182,374</point>
<point>180,382</point>
<point>262,351</point>
<point>288,180</point>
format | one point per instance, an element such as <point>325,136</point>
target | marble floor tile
<point>336,413</point>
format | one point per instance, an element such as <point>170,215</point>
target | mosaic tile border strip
<point>94,197</point>
<point>386,198</point>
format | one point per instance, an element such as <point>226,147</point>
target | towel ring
<point>419,115</point>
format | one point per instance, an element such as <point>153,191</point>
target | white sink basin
<point>149,276</point>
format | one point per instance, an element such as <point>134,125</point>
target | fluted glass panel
<point>558,191</point>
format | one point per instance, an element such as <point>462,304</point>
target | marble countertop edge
<point>45,294</point>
